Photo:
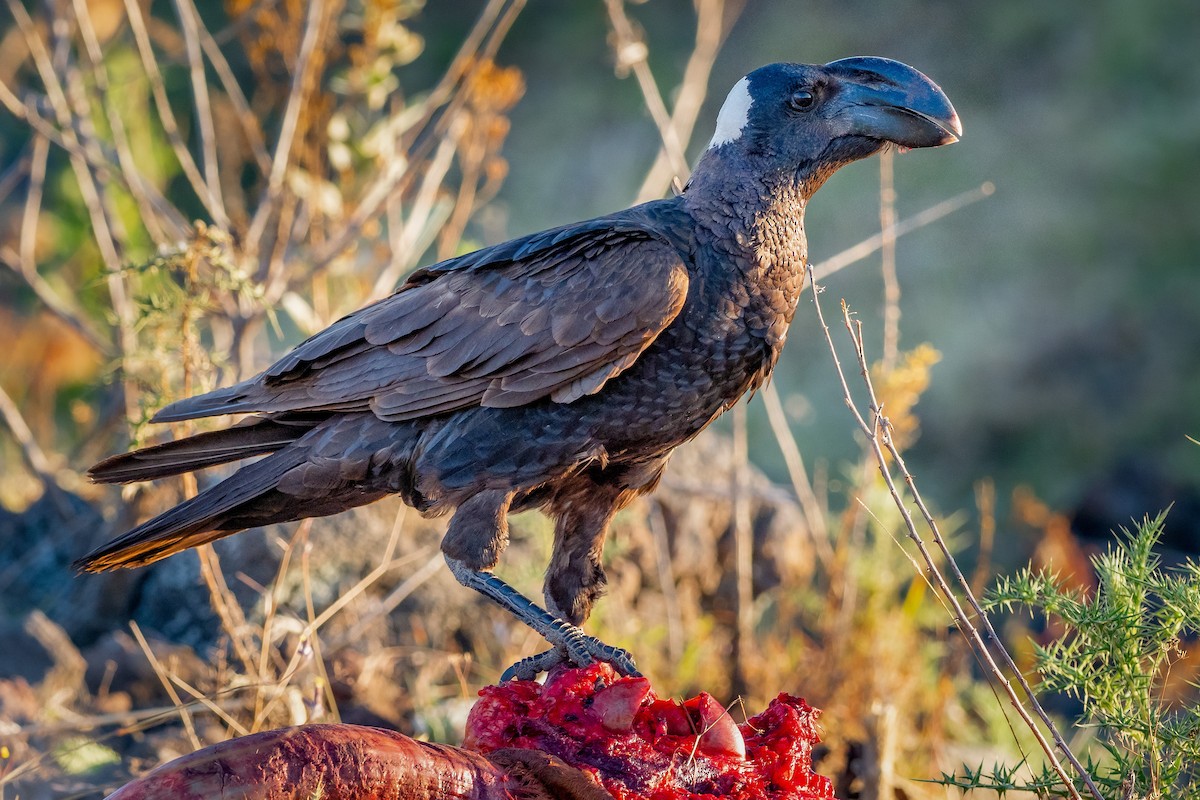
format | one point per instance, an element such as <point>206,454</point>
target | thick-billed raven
<point>555,371</point>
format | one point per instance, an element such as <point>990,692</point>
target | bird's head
<point>809,119</point>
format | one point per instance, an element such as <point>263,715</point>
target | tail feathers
<point>197,521</point>
<point>246,398</point>
<point>253,437</point>
<point>230,400</point>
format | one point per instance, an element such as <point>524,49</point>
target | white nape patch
<point>734,114</point>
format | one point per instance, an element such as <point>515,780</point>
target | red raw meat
<point>642,748</point>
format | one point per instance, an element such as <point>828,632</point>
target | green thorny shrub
<point>1116,650</point>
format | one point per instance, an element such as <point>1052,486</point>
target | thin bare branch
<point>205,701</point>
<point>188,23</point>
<point>29,113</point>
<point>318,655</point>
<point>887,245</point>
<point>24,262</point>
<point>657,522</point>
<point>35,457</point>
<point>224,604</point>
<point>818,530</point>
<point>714,18</point>
<point>878,437</point>
<point>441,108</point>
<point>233,91</point>
<point>989,632</point>
<point>432,566</point>
<point>182,708</point>
<point>155,212</point>
<point>276,272</point>
<point>930,215</point>
<point>131,721</point>
<point>985,502</point>
<point>103,164</point>
<point>743,550</point>
<point>166,116</point>
<point>493,23</point>
<point>266,637</point>
<point>55,304</point>
<point>33,205</point>
<point>722,491</point>
<point>631,54</point>
<point>57,95</point>
<point>472,151</point>
<point>16,172</point>
<point>315,624</point>
<point>243,20</point>
<point>83,156</point>
<point>302,84</point>
<point>404,253</point>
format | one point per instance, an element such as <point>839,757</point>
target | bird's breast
<point>746,257</point>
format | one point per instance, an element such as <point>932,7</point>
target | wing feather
<point>554,316</point>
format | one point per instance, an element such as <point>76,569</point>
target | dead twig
<point>84,155</point>
<point>814,517</point>
<point>204,700</point>
<point>35,457</point>
<point>233,91</point>
<point>54,303</point>
<point>631,52</point>
<point>24,263</point>
<point>743,550</point>
<point>404,242</point>
<point>441,108</point>
<point>930,215</point>
<point>714,18</point>
<point>183,709</point>
<point>887,252</point>
<point>302,83</point>
<point>202,105</point>
<point>225,605</point>
<point>16,172</point>
<point>666,579</point>
<point>304,649</point>
<point>166,116</point>
<point>878,436</point>
<point>156,213</point>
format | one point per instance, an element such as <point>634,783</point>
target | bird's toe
<point>580,650</point>
<point>620,659</point>
<point>528,669</point>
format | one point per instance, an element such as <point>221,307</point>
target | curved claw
<point>527,669</point>
<point>580,650</point>
<point>620,658</point>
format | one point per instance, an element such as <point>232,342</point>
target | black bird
<point>555,371</point>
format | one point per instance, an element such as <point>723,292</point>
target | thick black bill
<point>887,100</point>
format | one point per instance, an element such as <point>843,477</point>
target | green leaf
<point>79,755</point>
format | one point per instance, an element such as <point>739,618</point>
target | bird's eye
<point>802,99</point>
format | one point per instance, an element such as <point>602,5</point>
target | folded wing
<point>552,316</point>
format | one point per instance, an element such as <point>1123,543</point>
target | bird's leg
<point>474,540</point>
<point>575,576</point>
<point>570,642</point>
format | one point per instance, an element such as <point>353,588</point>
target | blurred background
<point>187,190</point>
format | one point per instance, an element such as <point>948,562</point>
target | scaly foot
<point>594,650</point>
<point>571,644</point>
